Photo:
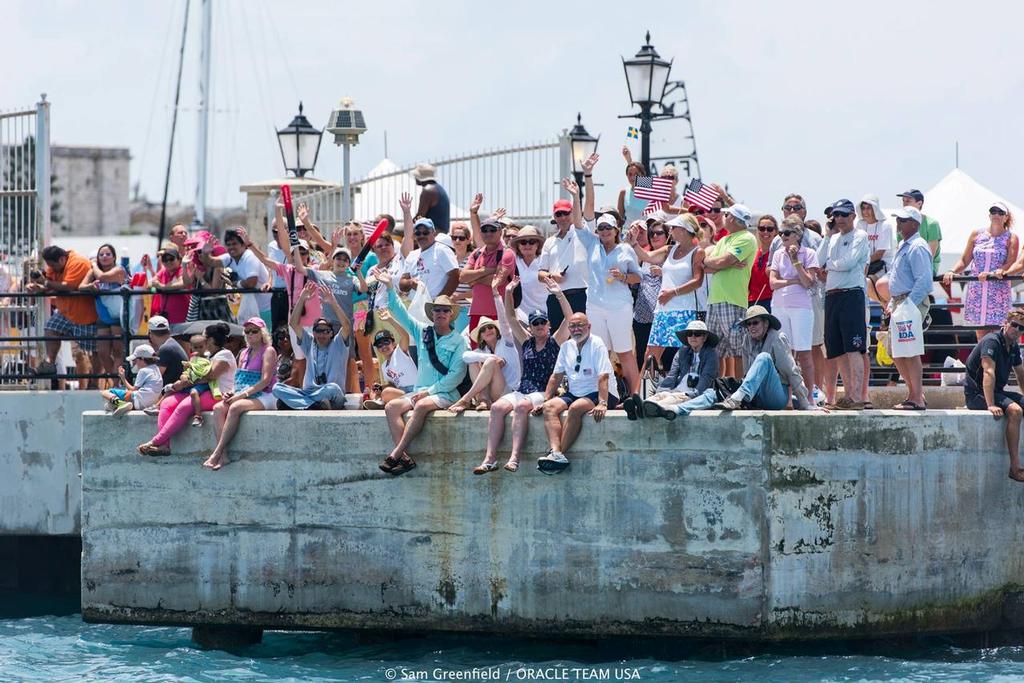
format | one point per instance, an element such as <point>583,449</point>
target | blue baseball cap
<point>538,316</point>
<point>842,206</point>
<point>424,221</point>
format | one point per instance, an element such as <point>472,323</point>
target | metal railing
<point>16,349</point>
<point>524,178</point>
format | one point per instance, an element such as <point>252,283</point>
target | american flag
<point>700,195</point>
<point>653,188</point>
<point>368,229</point>
<point>653,207</point>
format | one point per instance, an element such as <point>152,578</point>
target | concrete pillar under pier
<point>211,637</point>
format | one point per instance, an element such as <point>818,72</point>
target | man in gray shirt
<point>843,254</point>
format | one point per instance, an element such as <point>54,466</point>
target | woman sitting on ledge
<point>254,380</point>
<point>176,407</point>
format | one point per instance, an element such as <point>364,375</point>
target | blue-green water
<point>64,649</point>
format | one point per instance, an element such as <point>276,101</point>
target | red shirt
<point>483,300</point>
<point>759,288</point>
<point>174,307</point>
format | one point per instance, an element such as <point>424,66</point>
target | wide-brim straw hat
<point>529,232</point>
<point>761,312</point>
<point>481,324</point>
<point>710,338</point>
<point>443,300</point>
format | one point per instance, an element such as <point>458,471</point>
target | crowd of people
<point>729,310</point>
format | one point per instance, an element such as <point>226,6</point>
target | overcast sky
<point>825,99</point>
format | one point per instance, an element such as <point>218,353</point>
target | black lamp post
<point>646,78</point>
<point>300,145</point>
<point>583,144</point>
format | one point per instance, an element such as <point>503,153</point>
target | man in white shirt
<point>843,254</point>
<point>251,274</point>
<point>564,259</point>
<point>584,359</point>
<point>431,263</point>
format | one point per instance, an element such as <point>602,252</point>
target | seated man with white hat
<point>694,370</point>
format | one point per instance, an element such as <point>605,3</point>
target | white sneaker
<point>818,397</point>
<point>123,408</point>
<point>552,463</point>
<point>109,407</point>
<point>152,410</point>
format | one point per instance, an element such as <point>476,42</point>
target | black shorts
<point>592,397</point>
<point>976,400</point>
<point>845,329</point>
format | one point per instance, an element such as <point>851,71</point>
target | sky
<point>826,99</point>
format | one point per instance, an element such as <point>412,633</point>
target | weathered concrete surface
<point>40,445</point>
<point>748,525</point>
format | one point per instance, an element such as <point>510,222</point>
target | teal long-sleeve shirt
<point>449,349</point>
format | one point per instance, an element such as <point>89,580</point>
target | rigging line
<point>174,125</point>
<point>157,82</point>
<point>284,48</point>
<point>232,113</point>
<point>260,86</point>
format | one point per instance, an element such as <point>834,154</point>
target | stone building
<point>91,185</point>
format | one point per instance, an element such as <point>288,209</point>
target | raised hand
<point>383,276</point>
<point>337,236</point>
<point>570,186</point>
<point>326,295</point>
<point>478,200</point>
<point>405,202</point>
<point>302,212</point>
<point>308,291</point>
<point>552,285</point>
<point>633,233</point>
<point>243,235</point>
<point>512,284</point>
<point>626,154</point>
<point>590,162</point>
<point>498,214</point>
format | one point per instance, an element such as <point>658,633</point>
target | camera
<point>691,381</point>
<point>321,378</point>
<point>35,274</point>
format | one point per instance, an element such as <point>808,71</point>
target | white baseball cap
<point>908,212</point>
<point>144,351</point>
<point>158,323</point>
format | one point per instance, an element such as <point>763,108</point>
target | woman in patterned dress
<point>992,253</point>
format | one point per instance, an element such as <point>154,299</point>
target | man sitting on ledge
<point>441,369</point>
<point>988,368</point>
<point>584,359</point>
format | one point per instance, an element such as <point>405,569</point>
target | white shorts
<point>268,400</point>
<point>615,328</point>
<point>439,401</point>
<point>513,398</point>
<point>798,325</point>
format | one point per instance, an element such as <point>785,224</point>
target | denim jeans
<point>301,399</point>
<point>762,388</point>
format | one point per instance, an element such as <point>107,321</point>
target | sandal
<point>485,467</point>
<point>868,405</point>
<point>1017,475</point>
<point>512,465</point>
<point>389,464</point>
<point>908,405</point>
<point>405,463</point>
<point>152,449</point>
<point>197,421</point>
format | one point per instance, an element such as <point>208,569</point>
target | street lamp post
<point>300,145</point>
<point>346,124</point>
<point>646,78</point>
<point>583,144</point>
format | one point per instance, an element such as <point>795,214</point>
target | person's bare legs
<point>365,352</point>
<point>414,425</point>
<point>394,410</point>
<point>553,408</point>
<point>520,425</point>
<point>390,393</point>
<point>818,354</point>
<point>219,456</point>
<point>866,381</point>
<point>197,412</point>
<point>831,379</point>
<point>805,360</point>
<point>655,352</point>
<point>574,422</point>
<point>52,346</point>
<point>630,372</point>
<point>1013,419</point>
<point>496,430</point>
<point>852,366</point>
<point>481,374</point>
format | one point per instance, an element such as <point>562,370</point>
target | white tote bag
<point>905,335</point>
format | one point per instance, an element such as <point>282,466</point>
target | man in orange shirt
<point>75,316</point>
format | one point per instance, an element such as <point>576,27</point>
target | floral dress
<point>987,303</point>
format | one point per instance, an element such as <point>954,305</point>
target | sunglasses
<point>539,323</point>
<point>716,210</point>
<point>606,228</point>
<point>837,213</point>
<point>787,233</point>
<point>441,309</point>
<point>459,238</point>
<point>323,330</point>
<point>342,257</point>
<point>996,212</point>
<point>422,233</point>
<point>751,323</point>
<point>658,233</point>
<point>168,258</point>
<point>792,207</point>
<point>533,242</point>
<point>251,330</point>
<point>695,333</point>
<point>766,228</point>
<point>1017,326</point>
<point>698,212</point>
<point>562,214</point>
<point>579,358</point>
<point>488,228</point>
<point>383,343</point>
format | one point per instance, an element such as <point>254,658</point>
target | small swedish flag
<point>632,132</point>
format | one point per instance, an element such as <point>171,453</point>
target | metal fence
<point>25,212</point>
<point>524,178</point>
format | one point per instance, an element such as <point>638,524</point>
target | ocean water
<point>65,649</point>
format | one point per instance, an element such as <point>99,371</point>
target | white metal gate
<point>24,224</point>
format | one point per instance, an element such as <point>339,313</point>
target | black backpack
<point>429,345</point>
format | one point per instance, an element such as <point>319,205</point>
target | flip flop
<point>1017,475</point>
<point>512,466</point>
<point>908,405</point>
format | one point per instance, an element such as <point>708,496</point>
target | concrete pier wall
<point>40,445</point>
<point>752,525</point>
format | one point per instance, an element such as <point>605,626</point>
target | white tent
<point>960,204</point>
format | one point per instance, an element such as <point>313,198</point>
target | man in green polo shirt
<point>730,260</point>
<point>930,231</point>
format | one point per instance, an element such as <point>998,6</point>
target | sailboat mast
<point>204,112</point>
